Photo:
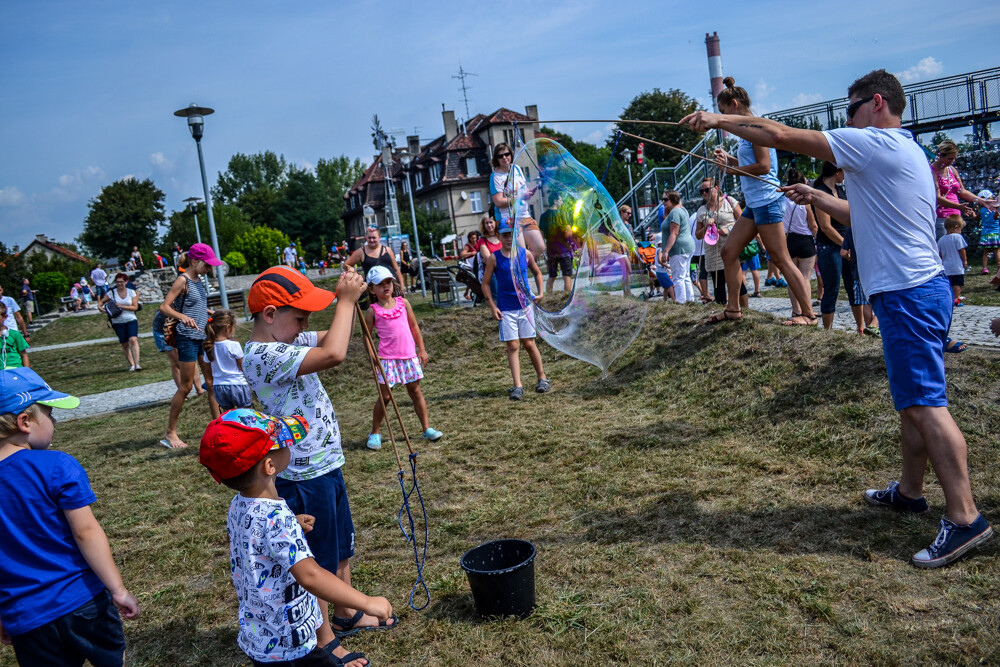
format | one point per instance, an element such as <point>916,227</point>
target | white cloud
<point>803,99</point>
<point>81,183</point>
<point>762,90</point>
<point>925,69</point>
<point>160,161</point>
<point>11,196</point>
<point>308,166</point>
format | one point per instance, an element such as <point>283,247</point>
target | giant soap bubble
<point>605,309</point>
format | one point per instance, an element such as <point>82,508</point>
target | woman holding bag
<point>120,305</point>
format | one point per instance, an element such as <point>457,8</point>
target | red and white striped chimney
<point>714,66</point>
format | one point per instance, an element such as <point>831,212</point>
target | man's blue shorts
<point>768,214</point>
<point>914,323</point>
<point>325,497</point>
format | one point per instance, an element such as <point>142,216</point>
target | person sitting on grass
<point>400,349</point>
<point>281,363</point>
<point>890,203</point>
<point>276,576</point>
<point>13,347</point>
<point>60,590</point>
<point>515,327</point>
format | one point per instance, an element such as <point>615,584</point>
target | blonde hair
<point>482,226</point>
<point>220,322</point>
<point>8,420</point>
<point>947,147</point>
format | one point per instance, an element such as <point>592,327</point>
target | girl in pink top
<point>401,348</point>
<point>950,191</point>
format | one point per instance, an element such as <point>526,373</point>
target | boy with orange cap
<point>281,363</point>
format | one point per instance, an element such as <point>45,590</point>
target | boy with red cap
<point>281,363</point>
<point>276,576</point>
<point>60,590</point>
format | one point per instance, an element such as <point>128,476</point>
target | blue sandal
<point>349,625</point>
<point>346,659</point>
<point>955,348</point>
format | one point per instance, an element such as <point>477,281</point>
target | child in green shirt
<point>13,347</point>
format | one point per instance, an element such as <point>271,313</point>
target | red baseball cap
<point>284,286</point>
<point>238,439</point>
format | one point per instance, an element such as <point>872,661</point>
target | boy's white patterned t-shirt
<point>272,371</point>
<point>278,618</point>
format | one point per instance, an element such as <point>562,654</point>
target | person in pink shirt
<point>400,348</point>
<point>950,189</point>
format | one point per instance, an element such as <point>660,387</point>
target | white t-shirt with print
<point>278,618</point>
<point>893,206</point>
<point>948,247</point>
<point>224,368</point>
<point>271,369</point>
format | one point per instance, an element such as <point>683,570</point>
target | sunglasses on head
<point>854,106</point>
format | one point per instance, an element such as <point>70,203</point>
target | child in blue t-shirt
<point>989,232</point>
<point>516,328</point>
<point>60,591</point>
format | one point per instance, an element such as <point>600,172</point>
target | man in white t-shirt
<point>14,319</point>
<point>290,254</point>
<point>891,210</point>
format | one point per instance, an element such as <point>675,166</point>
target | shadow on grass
<point>180,642</point>
<point>801,530</point>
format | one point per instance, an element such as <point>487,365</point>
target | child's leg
<point>514,360</point>
<point>378,414</point>
<point>213,405</point>
<point>956,291</point>
<point>535,356</point>
<point>419,404</point>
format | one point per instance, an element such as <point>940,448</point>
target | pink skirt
<point>401,371</point>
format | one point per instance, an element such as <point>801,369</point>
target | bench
<point>444,289</point>
<point>65,302</point>
<point>237,299</point>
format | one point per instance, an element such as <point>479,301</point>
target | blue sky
<point>90,87</point>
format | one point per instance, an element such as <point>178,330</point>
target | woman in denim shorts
<point>762,215</point>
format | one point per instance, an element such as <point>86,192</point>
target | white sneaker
<point>131,368</point>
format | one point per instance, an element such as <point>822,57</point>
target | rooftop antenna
<point>464,88</point>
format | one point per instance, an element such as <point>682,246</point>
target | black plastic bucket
<point>502,577</point>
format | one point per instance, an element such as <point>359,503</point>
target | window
<point>406,183</point>
<point>420,179</point>
<point>508,137</point>
<point>476,199</point>
<point>527,174</point>
<point>434,204</point>
<point>435,173</point>
<point>470,166</point>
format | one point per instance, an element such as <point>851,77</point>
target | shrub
<point>50,285</point>
<point>258,247</point>
<point>236,261</point>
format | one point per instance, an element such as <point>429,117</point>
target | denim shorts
<point>325,497</point>
<point>768,214</point>
<point>188,349</point>
<point>161,344</point>
<point>126,330</point>
<point>92,631</point>
<point>914,323</point>
<point>230,396</point>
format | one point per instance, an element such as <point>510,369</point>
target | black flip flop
<point>349,625</point>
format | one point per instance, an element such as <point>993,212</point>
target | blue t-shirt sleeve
<point>68,484</point>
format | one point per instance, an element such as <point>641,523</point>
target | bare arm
<point>671,239</point>
<point>93,544</point>
<point>491,264</point>
<point>418,338</point>
<point>764,132</point>
<point>833,206</point>
<point>327,586</point>
<point>333,350</point>
<point>20,323</point>
<point>168,301</point>
<point>811,221</point>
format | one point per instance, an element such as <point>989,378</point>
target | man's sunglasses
<point>854,106</point>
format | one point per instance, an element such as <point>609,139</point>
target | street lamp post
<point>628,165</point>
<point>192,203</point>
<point>196,123</point>
<point>405,159</point>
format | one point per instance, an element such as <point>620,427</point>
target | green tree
<point>124,214</point>
<point>260,246</point>
<point>253,183</point>
<point>595,158</point>
<point>50,285</point>
<point>236,261</point>
<point>230,222</point>
<point>336,176</point>
<point>671,105</point>
<point>302,211</point>
<point>429,222</point>
<point>13,268</point>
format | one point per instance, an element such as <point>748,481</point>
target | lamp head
<point>195,116</point>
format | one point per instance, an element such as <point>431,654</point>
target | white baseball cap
<point>378,274</point>
<point>985,194</point>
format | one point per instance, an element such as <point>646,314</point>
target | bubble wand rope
<point>616,120</point>
<point>735,170</point>
<point>419,557</point>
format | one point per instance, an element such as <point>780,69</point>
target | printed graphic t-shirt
<point>272,369</point>
<point>278,618</point>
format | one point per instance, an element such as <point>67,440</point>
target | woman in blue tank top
<point>762,215</point>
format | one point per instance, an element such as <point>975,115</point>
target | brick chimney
<point>413,144</point>
<point>450,126</point>
<point>531,111</point>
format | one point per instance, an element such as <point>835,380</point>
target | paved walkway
<point>120,400</point>
<point>81,343</point>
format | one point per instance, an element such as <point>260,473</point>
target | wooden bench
<point>65,303</point>
<point>237,299</point>
<point>444,289</point>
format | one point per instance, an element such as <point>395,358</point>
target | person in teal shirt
<point>678,245</point>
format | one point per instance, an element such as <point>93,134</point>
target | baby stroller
<point>646,254</point>
<point>466,276</point>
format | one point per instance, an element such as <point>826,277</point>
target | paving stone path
<point>120,400</point>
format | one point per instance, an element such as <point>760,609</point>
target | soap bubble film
<point>605,309</point>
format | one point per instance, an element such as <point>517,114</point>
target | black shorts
<point>92,631</point>
<point>957,280</point>
<point>564,264</point>
<point>800,246</point>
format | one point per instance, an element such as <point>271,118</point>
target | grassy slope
<point>701,504</point>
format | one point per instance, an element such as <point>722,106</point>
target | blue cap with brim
<point>20,388</point>
<point>505,228</point>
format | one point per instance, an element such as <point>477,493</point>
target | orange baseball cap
<point>284,286</point>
